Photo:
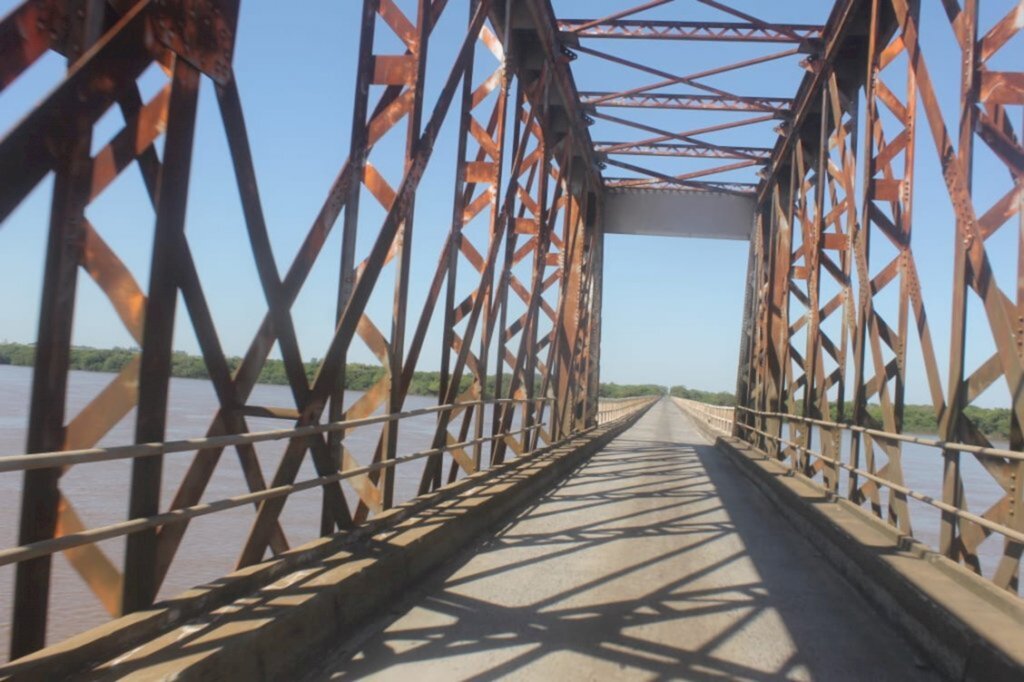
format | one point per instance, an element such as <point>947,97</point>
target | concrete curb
<point>267,620</point>
<point>966,627</point>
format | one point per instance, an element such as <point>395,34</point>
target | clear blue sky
<point>672,307</point>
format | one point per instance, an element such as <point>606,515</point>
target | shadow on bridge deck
<point>657,559</point>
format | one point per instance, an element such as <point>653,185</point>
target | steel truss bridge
<point>821,178</point>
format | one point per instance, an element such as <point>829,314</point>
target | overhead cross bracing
<point>702,88</point>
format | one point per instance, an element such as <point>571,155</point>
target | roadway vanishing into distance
<point>656,559</point>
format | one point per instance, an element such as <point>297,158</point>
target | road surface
<point>656,560</point>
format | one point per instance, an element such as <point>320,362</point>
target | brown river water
<point>212,543</point>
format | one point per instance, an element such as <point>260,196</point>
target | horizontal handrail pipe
<point>718,418</point>
<point>962,619</point>
<point>612,409</point>
<point>834,463</point>
<point>890,436</point>
<point>992,526</point>
<point>45,460</point>
<point>66,542</point>
<point>967,620</point>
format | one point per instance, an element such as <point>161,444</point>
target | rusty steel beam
<point>656,184</point>
<point>710,95</point>
<point>699,151</point>
<point>650,29</point>
<point>684,179</point>
<point>259,537</point>
<point>545,38</point>
<point>533,223</point>
<point>693,79</point>
<point>480,170</point>
<point>844,16</point>
<point>41,494</point>
<point>548,348</point>
<point>686,101</point>
<point>821,334</point>
<point>812,355</point>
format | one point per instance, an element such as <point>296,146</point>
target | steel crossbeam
<point>657,100</point>
<point>689,30</point>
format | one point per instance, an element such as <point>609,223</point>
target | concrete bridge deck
<point>656,559</point>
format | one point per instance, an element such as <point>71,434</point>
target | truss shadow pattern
<point>652,560</point>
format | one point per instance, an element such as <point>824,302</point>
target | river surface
<point>212,543</point>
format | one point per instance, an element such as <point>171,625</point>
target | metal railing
<point>717,417</point>
<point>520,440</point>
<point>611,409</point>
<point>801,458</point>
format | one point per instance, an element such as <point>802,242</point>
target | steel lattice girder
<point>614,184</point>
<point>817,223</point>
<point>690,30</point>
<point>814,224</point>
<point>55,136</point>
<point>701,151</point>
<point>705,95</point>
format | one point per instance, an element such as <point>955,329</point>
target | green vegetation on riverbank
<point>635,390</point>
<point>993,422</point>
<point>358,377</point>
<point>710,397</point>
<point>629,390</point>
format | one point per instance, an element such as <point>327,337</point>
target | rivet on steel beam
<point>811,64</point>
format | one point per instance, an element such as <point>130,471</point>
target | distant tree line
<point>629,390</point>
<point>358,377</point>
<point>993,422</point>
<point>711,397</point>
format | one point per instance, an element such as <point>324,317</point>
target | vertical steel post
<point>949,425</point>
<point>140,574</point>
